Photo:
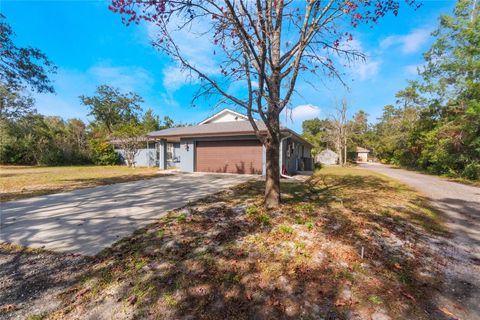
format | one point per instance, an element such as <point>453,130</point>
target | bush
<point>103,153</point>
<point>472,171</point>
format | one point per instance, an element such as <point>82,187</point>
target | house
<point>225,143</point>
<point>361,154</point>
<point>327,157</point>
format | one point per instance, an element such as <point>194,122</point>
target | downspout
<point>281,157</point>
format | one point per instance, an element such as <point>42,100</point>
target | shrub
<point>472,171</point>
<point>103,153</point>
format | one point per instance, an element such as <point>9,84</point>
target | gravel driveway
<point>89,220</point>
<point>461,207</point>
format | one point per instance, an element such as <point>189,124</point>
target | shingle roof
<point>360,149</point>
<point>218,128</point>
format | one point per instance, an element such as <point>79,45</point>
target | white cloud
<point>126,78</point>
<point>362,70</point>
<point>175,77</point>
<point>195,44</point>
<point>409,43</point>
<point>366,70</point>
<point>302,112</point>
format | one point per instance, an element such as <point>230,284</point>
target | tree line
<point>434,124</point>
<point>30,138</point>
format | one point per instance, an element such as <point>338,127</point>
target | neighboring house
<point>327,157</point>
<point>226,142</point>
<point>362,154</point>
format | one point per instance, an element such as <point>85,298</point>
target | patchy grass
<point>17,182</point>
<point>222,260</point>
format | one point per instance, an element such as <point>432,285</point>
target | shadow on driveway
<point>88,220</point>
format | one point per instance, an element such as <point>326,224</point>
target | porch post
<point>162,151</point>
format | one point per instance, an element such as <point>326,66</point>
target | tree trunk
<point>272,182</point>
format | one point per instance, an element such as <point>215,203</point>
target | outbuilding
<point>327,157</point>
<point>362,154</point>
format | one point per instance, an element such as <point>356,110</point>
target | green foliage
<point>375,299</point>
<point>256,214</point>
<point>20,68</point>
<point>111,108</point>
<point>251,211</point>
<point>285,229</point>
<point>36,139</point>
<point>150,121</point>
<point>316,131</point>
<point>436,126</point>
<point>103,152</point>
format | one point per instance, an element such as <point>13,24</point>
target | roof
<point>216,128</point>
<point>224,111</point>
<point>219,129</point>
<point>360,149</point>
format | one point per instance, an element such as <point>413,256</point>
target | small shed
<point>327,156</point>
<point>362,154</point>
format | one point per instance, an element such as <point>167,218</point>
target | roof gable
<point>226,115</point>
<point>362,150</point>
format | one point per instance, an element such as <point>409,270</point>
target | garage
<point>229,156</point>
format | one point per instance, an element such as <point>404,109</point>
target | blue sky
<point>91,46</point>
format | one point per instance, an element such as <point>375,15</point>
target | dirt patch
<point>31,280</point>
<point>345,245</point>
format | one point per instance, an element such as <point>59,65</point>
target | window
<point>169,151</point>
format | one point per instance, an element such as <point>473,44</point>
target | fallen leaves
<point>81,293</point>
<point>448,313</point>
<point>7,308</point>
<point>407,295</point>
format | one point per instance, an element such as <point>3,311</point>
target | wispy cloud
<point>70,84</point>
<point>300,113</point>
<point>196,47</point>
<point>175,77</point>
<point>408,43</point>
<point>126,78</point>
<point>361,69</point>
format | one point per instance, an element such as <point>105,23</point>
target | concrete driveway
<point>88,220</point>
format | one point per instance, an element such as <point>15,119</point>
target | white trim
<point>221,113</point>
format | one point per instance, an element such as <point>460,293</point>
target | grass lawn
<point>226,257</point>
<point>18,182</point>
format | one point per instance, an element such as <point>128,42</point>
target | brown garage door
<point>236,156</point>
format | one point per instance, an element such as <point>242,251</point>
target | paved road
<point>88,220</point>
<point>461,206</point>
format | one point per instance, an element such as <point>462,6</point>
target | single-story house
<point>327,157</point>
<point>223,143</point>
<point>362,154</point>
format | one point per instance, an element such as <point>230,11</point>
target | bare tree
<point>340,132</point>
<point>265,45</point>
<point>130,137</point>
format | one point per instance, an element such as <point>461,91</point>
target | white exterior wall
<point>362,156</point>
<point>143,158</point>
<point>226,117</point>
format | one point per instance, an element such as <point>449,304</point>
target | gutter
<point>281,157</point>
